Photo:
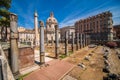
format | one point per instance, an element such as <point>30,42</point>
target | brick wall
<point>26,57</point>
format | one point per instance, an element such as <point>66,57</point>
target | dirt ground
<point>51,49</point>
<point>93,67</point>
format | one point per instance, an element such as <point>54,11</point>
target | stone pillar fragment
<point>72,42</point>
<point>14,44</point>
<point>77,41</point>
<point>42,50</point>
<point>66,43</point>
<point>56,42</point>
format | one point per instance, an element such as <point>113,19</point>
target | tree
<point>4,17</point>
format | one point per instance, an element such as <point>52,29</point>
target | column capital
<point>41,23</point>
<point>13,17</point>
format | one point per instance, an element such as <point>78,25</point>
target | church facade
<point>50,28</point>
<point>27,35</point>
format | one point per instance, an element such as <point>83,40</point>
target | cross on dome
<point>51,14</point>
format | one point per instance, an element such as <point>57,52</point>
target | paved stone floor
<point>37,56</point>
<point>34,67</point>
<point>54,70</point>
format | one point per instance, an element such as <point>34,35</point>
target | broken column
<point>77,42</point>
<point>81,42</point>
<point>66,43</point>
<point>14,44</point>
<point>42,50</point>
<point>72,42</point>
<point>56,42</point>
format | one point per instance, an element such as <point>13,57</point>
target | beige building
<point>50,28</point>
<point>26,35</point>
<point>116,29</point>
<point>69,29</point>
<point>98,27</point>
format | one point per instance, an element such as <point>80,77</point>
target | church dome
<point>51,19</point>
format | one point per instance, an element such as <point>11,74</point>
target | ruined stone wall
<point>26,57</point>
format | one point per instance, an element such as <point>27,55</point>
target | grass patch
<point>70,52</point>
<point>62,56</point>
<point>92,51</point>
<point>22,76</point>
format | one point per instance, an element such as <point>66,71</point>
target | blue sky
<point>67,12</point>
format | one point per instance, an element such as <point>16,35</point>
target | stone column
<point>89,39</point>
<point>42,50</point>
<point>56,42</point>
<point>31,44</point>
<point>66,43</point>
<point>14,43</point>
<point>81,42</point>
<point>85,40</point>
<point>77,41</point>
<point>52,42</point>
<point>19,44</point>
<point>36,29</point>
<point>72,42</point>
